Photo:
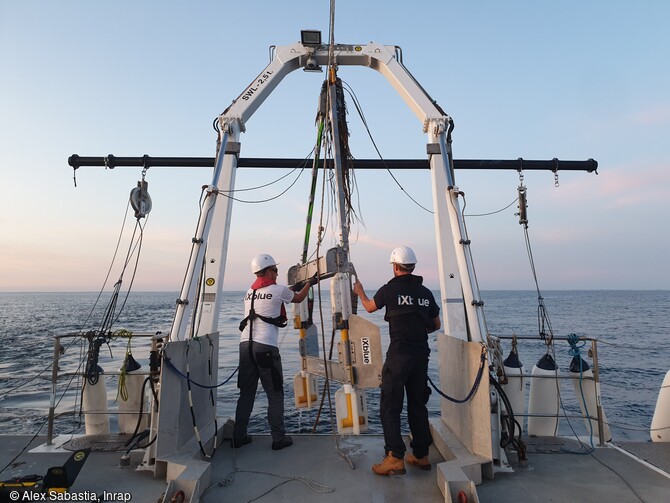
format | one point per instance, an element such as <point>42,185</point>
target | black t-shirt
<point>410,311</point>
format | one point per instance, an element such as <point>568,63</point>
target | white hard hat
<point>260,262</point>
<point>403,255</point>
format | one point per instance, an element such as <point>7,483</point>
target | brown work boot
<point>390,466</point>
<point>422,463</point>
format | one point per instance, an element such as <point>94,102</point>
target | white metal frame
<point>461,306</point>
<point>459,291</point>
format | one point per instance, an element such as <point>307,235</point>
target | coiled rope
<point>122,390</point>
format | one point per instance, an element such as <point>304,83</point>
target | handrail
<point>58,348</point>
<point>595,378</point>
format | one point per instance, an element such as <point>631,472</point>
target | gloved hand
<point>301,284</point>
<point>298,286</point>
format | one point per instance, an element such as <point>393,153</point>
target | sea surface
<point>631,328</point>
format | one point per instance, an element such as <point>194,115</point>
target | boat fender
<point>131,364</point>
<point>574,365</point>
<point>513,361</point>
<point>660,423</point>
<point>547,363</point>
<point>543,399</point>
<point>132,406</point>
<point>515,387</point>
<point>94,402</point>
<point>585,390</point>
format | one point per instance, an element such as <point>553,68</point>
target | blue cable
<point>575,344</point>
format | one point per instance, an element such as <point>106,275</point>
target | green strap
<point>315,171</point>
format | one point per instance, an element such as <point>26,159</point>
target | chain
<point>145,161</point>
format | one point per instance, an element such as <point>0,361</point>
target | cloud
<point>621,186</point>
<point>365,239</point>
<point>653,116</point>
<point>636,184</point>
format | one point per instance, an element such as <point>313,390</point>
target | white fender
<point>129,409</point>
<point>585,389</point>
<point>515,389</point>
<point>543,399</point>
<point>660,423</point>
<point>94,403</point>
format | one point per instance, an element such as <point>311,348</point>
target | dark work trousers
<point>404,371</point>
<point>266,366</point>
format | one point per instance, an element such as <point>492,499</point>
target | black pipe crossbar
<point>112,161</point>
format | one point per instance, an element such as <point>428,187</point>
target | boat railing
<point>593,354</point>
<point>122,337</point>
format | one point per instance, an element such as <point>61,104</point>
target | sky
<point>539,80</point>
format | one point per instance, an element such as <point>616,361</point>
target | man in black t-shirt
<point>412,314</point>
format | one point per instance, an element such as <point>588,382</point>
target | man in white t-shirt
<point>259,352</point>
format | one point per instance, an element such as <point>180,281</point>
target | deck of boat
<point>623,472</point>
<point>314,470</point>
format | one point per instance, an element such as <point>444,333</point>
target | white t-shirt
<point>267,303</point>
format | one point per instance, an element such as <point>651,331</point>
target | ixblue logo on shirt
<point>408,300</point>
<point>266,296</point>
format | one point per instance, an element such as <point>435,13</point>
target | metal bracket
<point>326,267</point>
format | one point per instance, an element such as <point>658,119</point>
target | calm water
<point>632,328</point>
